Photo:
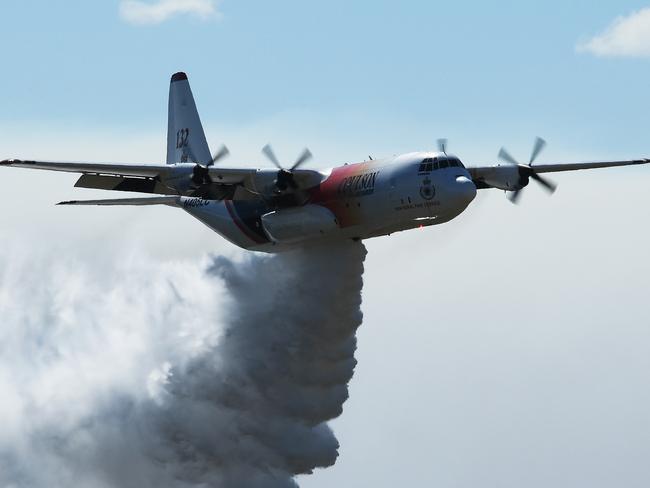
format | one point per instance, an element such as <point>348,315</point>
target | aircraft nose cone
<point>465,190</point>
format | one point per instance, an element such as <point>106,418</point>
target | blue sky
<point>390,77</point>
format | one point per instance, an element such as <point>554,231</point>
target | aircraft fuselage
<point>354,201</point>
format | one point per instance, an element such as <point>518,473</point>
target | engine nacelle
<point>264,180</point>
<point>180,178</point>
<point>507,177</point>
<point>291,225</point>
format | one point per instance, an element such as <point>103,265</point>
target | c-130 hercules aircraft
<point>273,210</point>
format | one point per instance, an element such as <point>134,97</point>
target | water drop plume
<point>175,374</point>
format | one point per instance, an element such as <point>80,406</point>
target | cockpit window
<point>426,165</point>
<point>432,164</point>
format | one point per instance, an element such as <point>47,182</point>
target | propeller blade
<point>268,152</point>
<point>304,157</point>
<point>539,146</point>
<point>505,155</point>
<point>220,154</point>
<point>442,145</point>
<point>549,185</point>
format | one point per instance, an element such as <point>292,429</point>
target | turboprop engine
<point>504,177</point>
<point>515,176</point>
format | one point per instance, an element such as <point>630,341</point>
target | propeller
<point>526,171</point>
<point>442,145</point>
<point>201,173</point>
<point>285,178</point>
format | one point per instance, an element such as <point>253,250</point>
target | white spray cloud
<point>627,36</point>
<point>139,12</point>
<point>175,374</point>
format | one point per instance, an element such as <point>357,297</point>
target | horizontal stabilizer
<point>124,183</point>
<point>171,201</point>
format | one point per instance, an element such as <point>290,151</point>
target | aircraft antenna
<point>442,146</point>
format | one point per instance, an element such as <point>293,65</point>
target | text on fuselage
<point>195,202</point>
<point>358,185</point>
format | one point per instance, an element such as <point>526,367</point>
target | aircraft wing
<point>143,178</point>
<point>478,171</point>
<point>554,168</point>
<point>223,175</point>
<point>116,169</point>
<point>509,176</point>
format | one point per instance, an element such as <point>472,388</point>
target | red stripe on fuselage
<point>240,224</point>
<point>339,192</point>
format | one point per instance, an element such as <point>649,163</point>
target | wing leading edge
<point>117,169</point>
<point>554,168</point>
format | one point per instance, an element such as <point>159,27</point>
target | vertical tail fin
<point>186,141</point>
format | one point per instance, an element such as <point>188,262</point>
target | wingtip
<point>68,202</point>
<point>180,76</point>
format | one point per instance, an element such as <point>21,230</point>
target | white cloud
<point>627,36</point>
<point>138,12</point>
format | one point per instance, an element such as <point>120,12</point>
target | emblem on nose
<point>427,190</point>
